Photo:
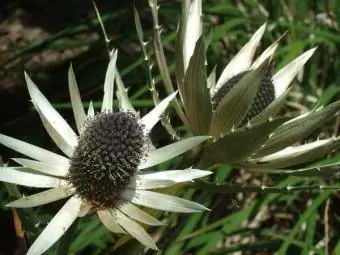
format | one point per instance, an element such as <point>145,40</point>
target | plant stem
<point>226,188</point>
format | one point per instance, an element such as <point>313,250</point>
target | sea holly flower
<point>239,108</point>
<point>102,169</point>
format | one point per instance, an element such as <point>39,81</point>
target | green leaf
<point>330,92</point>
<point>222,173</point>
<point>207,241</point>
<point>297,129</point>
<point>337,248</point>
<point>310,233</point>
<point>232,25</point>
<point>196,95</point>
<point>139,28</point>
<point>66,240</point>
<point>236,103</point>
<point>238,145</point>
<point>311,209</point>
<point>271,234</point>
<point>190,225</point>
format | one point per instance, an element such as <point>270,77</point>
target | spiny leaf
<point>195,92</point>
<point>232,189</point>
<point>237,145</point>
<point>161,60</point>
<point>179,54</point>
<point>326,169</point>
<point>297,156</point>
<point>297,129</point>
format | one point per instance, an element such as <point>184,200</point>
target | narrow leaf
<point>299,154</point>
<point>161,60</point>
<point>179,58</point>
<point>317,170</point>
<point>195,92</point>
<point>297,129</point>
<point>158,49</point>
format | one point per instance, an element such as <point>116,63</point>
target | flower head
<point>239,108</point>
<point>102,171</point>
<point>265,94</point>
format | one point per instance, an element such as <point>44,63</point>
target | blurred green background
<point>44,37</point>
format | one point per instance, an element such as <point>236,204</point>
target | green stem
<point>147,59</point>
<point>161,61</point>
<point>227,188</point>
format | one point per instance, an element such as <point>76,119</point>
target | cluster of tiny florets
<point>106,158</point>
<point>264,96</point>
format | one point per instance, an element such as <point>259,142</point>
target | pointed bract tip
<point>264,25</point>
<point>261,29</point>
<point>173,96</point>
<point>314,49</point>
<point>26,76</point>
<point>29,81</point>
<point>207,209</point>
<point>310,52</point>
<point>113,52</point>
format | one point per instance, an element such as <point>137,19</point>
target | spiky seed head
<point>264,96</point>
<point>106,158</point>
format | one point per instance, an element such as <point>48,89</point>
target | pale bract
<point>46,169</point>
<point>239,137</point>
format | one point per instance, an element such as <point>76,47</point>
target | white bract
<point>46,169</point>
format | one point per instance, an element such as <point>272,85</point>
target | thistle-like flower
<point>102,171</point>
<point>239,109</point>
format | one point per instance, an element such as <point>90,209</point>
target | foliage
<point>283,213</point>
